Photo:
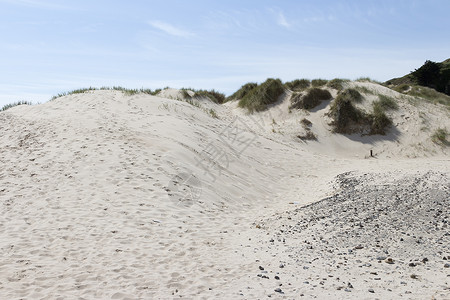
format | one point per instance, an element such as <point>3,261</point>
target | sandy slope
<point>136,197</point>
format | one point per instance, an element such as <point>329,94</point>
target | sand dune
<point>110,196</point>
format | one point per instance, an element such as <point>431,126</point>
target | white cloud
<point>170,29</point>
<point>282,20</point>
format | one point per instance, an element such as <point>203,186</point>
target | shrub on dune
<point>298,84</point>
<point>263,95</point>
<point>244,90</point>
<point>312,98</point>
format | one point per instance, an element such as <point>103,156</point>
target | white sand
<point>92,206</point>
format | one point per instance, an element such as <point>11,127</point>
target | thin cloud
<point>170,29</point>
<point>281,20</point>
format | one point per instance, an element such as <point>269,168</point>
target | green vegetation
<point>378,119</point>
<point>298,84</point>
<point>213,113</point>
<point>312,99</point>
<point>306,123</point>
<point>318,82</point>
<point>244,90</point>
<point>128,92</point>
<point>263,95</point>
<point>367,79</point>
<point>440,137</point>
<point>431,74</point>
<point>10,105</point>
<point>214,95</point>
<point>337,83</point>
<point>347,118</point>
<point>350,95</point>
<point>386,102</point>
<point>430,95</point>
<point>344,114</point>
<point>363,90</point>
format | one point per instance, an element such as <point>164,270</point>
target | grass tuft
<point>17,103</point>
<point>298,84</point>
<point>337,83</point>
<point>312,99</point>
<point>318,82</point>
<point>263,95</point>
<point>386,102</point>
<point>243,91</point>
<point>440,137</point>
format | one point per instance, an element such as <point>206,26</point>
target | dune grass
<point>386,102</point>
<point>126,91</point>
<point>243,91</point>
<point>311,99</point>
<point>215,96</point>
<point>260,97</point>
<point>318,82</point>
<point>337,83</point>
<point>344,114</point>
<point>17,103</point>
<point>440,137</point>
<point>298,84</point>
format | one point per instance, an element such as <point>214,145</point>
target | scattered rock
<point>261,268</point>
<point>278,290</point>
<point>277,278</point>
<point>371,291</point>
<point>447,265</point>
<point>389,261</point>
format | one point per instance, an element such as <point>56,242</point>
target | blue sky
<point>47,47</point>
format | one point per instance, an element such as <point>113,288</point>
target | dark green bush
<point>345,116</point>
<point>263,95</point>
<point>312,98</point>
<point>298,84</point>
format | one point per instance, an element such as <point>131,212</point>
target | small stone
<point>278,290</point>
<point>281,266</point>
<point>371,291</point>
<point>277,278</point>
<point>413,276</point>
<point>389,261</point>
<point>350,285</point>
<point>261,268</point>
<point>425,260</point>
<point>412,264</point>
<point>447,265</point>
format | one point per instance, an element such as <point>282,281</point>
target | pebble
<point>261,268</point>
<point>389,261</point>
<point>447,265</point>
<point>371,291</point>
<point>277,278</point>
<point>412,264</point>
<point>278,290</point>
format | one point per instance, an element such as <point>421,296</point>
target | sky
<point>49,46</point>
